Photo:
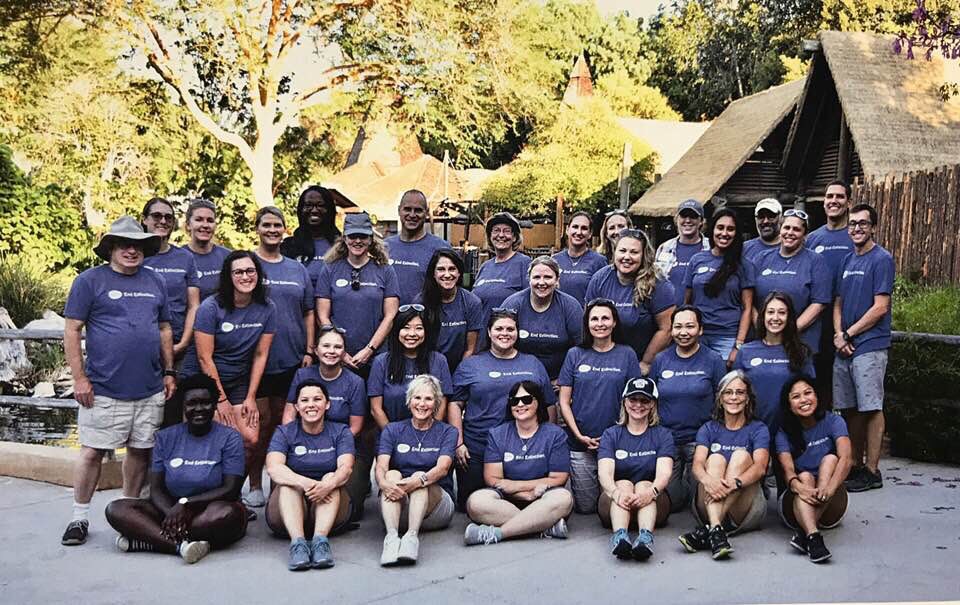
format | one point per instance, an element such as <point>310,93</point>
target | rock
<point>50,321</point>
<point>44,389</point>
<point>13,353</point>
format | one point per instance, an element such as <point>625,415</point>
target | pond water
<point>37,425</point>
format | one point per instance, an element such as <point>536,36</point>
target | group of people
<point>626,382</point>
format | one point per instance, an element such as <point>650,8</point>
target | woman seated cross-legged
<point>413,471</point>
<point>195,480</point>
<point>729,463</point>
<point>526,465</point>
<point>814,450</point>
<point>309,462</point>
<point>635,463</point>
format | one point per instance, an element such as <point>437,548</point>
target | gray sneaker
<point>391,550</point>
<point>480,534</point>
<point>557,531</point>
<point>409,549</point>
<point>299,555</point>
<point>321,554</point>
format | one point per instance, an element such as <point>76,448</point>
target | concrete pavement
<point>900,543</point>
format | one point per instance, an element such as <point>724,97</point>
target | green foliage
<point>577,157</point>
<point>26,290</point>
<point>46,361</point>
<point>628,98</point>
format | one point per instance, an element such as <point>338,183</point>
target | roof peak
<point>580,84</point>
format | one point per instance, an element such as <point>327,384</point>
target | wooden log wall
<point>919,221</point>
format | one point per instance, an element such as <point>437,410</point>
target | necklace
<point>420,435</point>
<point>524,442</point>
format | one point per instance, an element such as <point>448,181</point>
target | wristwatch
<point>738,345</point>
<point>738,482</point>
<point>846,336</point>
<point>170,373</point>
<point>423,479</point>
<point>183,501</point>
<point>656,492</point>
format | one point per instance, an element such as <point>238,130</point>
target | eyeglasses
<point>853,225</point>
<point>332,328</point>
<point>319,206</point>
<point>161,216</point>
<point>797,213</point>
<point>734,392</point>
<point>355,279</point>
<point>520,400</point>
<point>242,272</point>
<point>416,307</point>
<point>504,311</point>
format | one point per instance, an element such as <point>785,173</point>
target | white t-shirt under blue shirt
<point>861,278</point>
<point>410,259</point>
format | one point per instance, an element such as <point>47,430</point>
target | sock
<point>498,533</point>
<point>317,538</point>
<point>392,532</point>
<point>412,532</point>
<point>81,512</point>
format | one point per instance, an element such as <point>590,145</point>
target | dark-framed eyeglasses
<point>242,272</point>
<point>800,214</point>
<point>355,279</point>
<point>415,306</point>
<point>520,400</point>
<point>332,328</point>
<point>859,225</point>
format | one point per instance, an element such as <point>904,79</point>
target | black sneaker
<point>698,539</point>
<point>719,545</point>
<point>76,533</point>
<point>799,541</point>
<point>854,475</point>
<point>865,481</point>
<point>815,548</point>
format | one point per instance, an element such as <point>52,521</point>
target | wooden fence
<point>919,221</point>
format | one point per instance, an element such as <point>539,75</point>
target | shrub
<point>26,290</point>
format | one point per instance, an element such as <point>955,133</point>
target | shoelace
<point>322,550</point>
<point>487,534</point>
<point>140,546</point>
<point>300,548</point>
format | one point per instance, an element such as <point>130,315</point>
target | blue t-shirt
<point>309,455</point>
<point>721,315</point>
<point>527,459</point>
<point>550,334</point>
<point>637,323</point>
<point>208,269</point>
<point>833,245</point>
<point>412,450</point>
<point>360,311</point>
<point>288,286</point>
<point>194,465</point>
<point>635,456</point>
<point>348,393</point>
<point>805,278</point>
<point>179,271</point>
<point>320,247</point>
<point>235,336</point>
<point>496,281</point>
<point>410,259</point>
<point>597,380</point>
<point>458,317</point>
<point>752,248</point>
<point>821,440</point>
<point>122,314</point>
<point>395,394</point>
<point>862,277</point>
<point>718,439</point>
<point>482,382</point>
<point>684,253</point>
<point>575,273</point>
<point>768,369</point>
<point>687,388</point>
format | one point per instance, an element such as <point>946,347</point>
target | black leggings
<point>469,480</point>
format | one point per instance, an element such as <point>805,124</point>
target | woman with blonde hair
<point>614,222</point>
<point>644,298</point>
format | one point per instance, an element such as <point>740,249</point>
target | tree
<point>628,98</point>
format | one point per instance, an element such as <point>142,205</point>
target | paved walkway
<point>900,543</point>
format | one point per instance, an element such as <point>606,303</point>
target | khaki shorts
<point>112,423</point>
<point>438,518</point>
<point>751,521</point>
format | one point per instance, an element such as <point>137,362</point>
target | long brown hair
<point>797,351</point>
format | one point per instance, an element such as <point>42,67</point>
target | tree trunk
<point>261,169</point>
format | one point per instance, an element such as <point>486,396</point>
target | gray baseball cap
<point>691,204</point>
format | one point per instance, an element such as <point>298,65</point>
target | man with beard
<point>410,250</point>
<point>674,255</point>
<point>768,214</point>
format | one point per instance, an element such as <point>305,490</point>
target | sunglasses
<point>615,212</point>
<point>416,307</point>
<point>634,233</point>
<point>355,279</point>
<point>161,216</point>
<point>520,400</point>
<point>332,328</point>
<point>800,214</point>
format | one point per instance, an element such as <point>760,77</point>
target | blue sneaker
<point>299,555</point>
<point>620,544</point>
<point>320,553</point>
<point>643,546</point>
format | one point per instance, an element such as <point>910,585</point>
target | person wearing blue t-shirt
<point>526,465</point>
<point>635,461</point>
<point>195,478</point>
<point>411,249</point>
<point>310,461</point>
<point>289,289</point>
<point>505,272</point>
<point>861,325</point>
<point>316,231</point>
<point>720,283</point>
<point>815,453</point>
<point>202,226</point>
<point>674,255</point>
<point>799,273</point>
<point>407,356</point>
<point>453,315</point>
<point>357,290</point>
<point>643,297</point>
<point>613,223</point>
<point>549,319</point>
<point>687,375</point>
<point>775,357</point>
<point>128,373</point>
<point>591,382</point>
<point>481,384</point>
<point>577,262</point>
<point>730,462</point>
<point>768,215</point>
<point>414,461</point>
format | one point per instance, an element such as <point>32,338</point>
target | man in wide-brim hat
<point>128,373</point>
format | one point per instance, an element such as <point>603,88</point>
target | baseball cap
<point>691,204</point>
<point>641,386</point>
<point>769,204</point>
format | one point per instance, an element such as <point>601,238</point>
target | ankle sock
<point>81,512</point>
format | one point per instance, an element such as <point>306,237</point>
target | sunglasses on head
<point>634,233</point>
<point>600,301</point>
<point>332,328</point>
<point>520,400</point>
<point>504,311</point>
<point>416,307</point>
<point>800,214</point>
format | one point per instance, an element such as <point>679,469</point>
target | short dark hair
<point>225,290</point>
<point>681,308</point>
<point>842,183</point>
<point>862,207</point>
<point>196,382</point>
<point>311,382</point>
<point>534,389</point>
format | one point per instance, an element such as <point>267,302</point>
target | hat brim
<point>358,231</point>
<point>150,242</point>
<point>502,220</point>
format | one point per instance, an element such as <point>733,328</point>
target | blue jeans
<point>721,345</point>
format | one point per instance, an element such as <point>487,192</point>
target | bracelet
<point>656,492</point>
<point>792,479</point>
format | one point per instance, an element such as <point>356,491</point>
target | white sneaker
<point>557,531</point>
<point>255,498</point>
<point>409,549</point>
<point>191,552</point>
<point>391,550</point>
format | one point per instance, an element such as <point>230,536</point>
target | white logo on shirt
<point>819,249</point>
<point>584,367</point>
<point>495,374</point>
<point>756,361</point>
<point>300,450</point>
<point>703,269</point>
<point>714,447</point>
<point>508,457</point>
<point>403,448</point>
<point>199,274</point>
<point>767,272</point>
<point>524,334</point>
<point>227,327</point>
<point>114,294</point>
<point>342,283</point>
<point>176,463</point>
<point>667,374</point>
<point>620,454</point>
<point>847,273</point>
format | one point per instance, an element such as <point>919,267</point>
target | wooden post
<point>558,227</point>
<point>626,164</point>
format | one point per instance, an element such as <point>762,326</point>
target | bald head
<point>413,214</point>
